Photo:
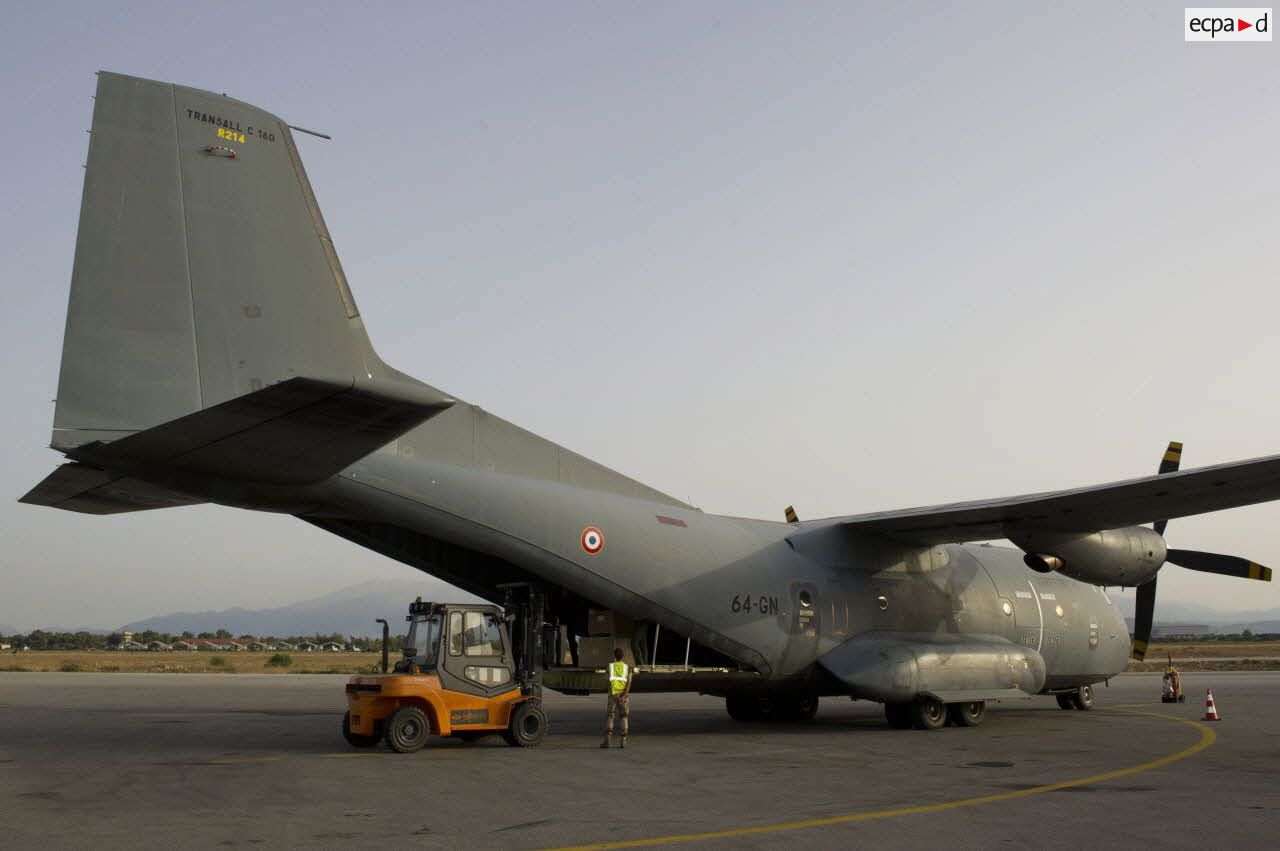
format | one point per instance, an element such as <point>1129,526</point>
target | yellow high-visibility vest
<point>617,677</point>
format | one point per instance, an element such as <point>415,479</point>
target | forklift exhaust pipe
<point>386,633</point>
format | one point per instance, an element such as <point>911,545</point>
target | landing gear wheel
<point>356,740</point>
<point>407,729</point>
<point>967,714</point>
<point>789,708</point>
<point>1066,701</point>
<point>806,707</point>
<point>928,713</point>
<point>1082,698</point>
<point>898,715</point>
<point>528,725</point>
<point>742,707</point>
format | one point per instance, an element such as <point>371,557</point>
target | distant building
<point>332,647</point>
<point>158,646</point>
<point>308,646</point>
<point>184,645</point>
<point>284,645</point>
<point>130,644</point>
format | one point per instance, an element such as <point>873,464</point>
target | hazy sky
<point>847,256</point>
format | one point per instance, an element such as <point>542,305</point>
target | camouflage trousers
<point>619,704</point>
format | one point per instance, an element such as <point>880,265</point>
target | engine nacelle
<point>1119,557</point>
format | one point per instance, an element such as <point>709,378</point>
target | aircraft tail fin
<point>203,267</point>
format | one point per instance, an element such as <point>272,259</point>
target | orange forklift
<point>461,675</point>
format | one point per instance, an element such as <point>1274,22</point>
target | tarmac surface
<point>226,761</point>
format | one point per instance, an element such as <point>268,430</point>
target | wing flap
<point>1087,509</point>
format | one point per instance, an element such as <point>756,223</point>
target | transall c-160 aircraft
<point>214,353</point>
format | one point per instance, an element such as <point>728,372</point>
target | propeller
<point>1222,565</point>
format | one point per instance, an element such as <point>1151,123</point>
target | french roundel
<point>592,540</point>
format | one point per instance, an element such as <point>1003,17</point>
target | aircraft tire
<point>790,709</point>
<point>356,740</point>
<point>407,729</point>
<point>1082,698</point>
<point>528,726</point>
<point>743,707</point>
<point>967,714</point>
<point>1065,701</point>
<point>928,713</point>
<point>806,707</point>
<point>898,715</point>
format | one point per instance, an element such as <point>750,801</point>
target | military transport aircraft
<point>214,353</point>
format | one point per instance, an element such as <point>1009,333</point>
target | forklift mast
<point>524,607</point>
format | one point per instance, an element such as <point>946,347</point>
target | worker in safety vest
<point>619,695</point>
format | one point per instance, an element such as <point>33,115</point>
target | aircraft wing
<point>1086,509</point>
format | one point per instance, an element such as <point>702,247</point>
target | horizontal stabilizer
<point>79,487</point>
<point>298,431</point>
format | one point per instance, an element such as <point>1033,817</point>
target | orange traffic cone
<point>1210,711</point>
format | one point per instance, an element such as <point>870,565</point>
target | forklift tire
<point>1066,701</point>
<point>407,729</point>
<point>528,725</point>
<point>356,740</point>
<point>967,714</point>
<point>1082,698</point>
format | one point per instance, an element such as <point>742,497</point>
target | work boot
<point>605,744</point>
<point>624,741</point>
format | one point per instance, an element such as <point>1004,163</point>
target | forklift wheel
<point>528,725</point>
<point>356,740</point>
<point>407,729</point>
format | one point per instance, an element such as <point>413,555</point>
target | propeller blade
<point>791,515</point>
<point>1143,611</point>
<point>1219,564</point>
<point>1168,464</point>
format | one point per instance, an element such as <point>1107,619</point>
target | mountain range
<point>347,611</point>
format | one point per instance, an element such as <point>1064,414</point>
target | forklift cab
<point>467,646</point>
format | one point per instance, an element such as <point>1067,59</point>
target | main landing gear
<point>1081,698</point>
<point>928,713</point>
<point>779,708</point>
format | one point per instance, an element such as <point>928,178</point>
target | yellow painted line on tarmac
<point>1207,738</point>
